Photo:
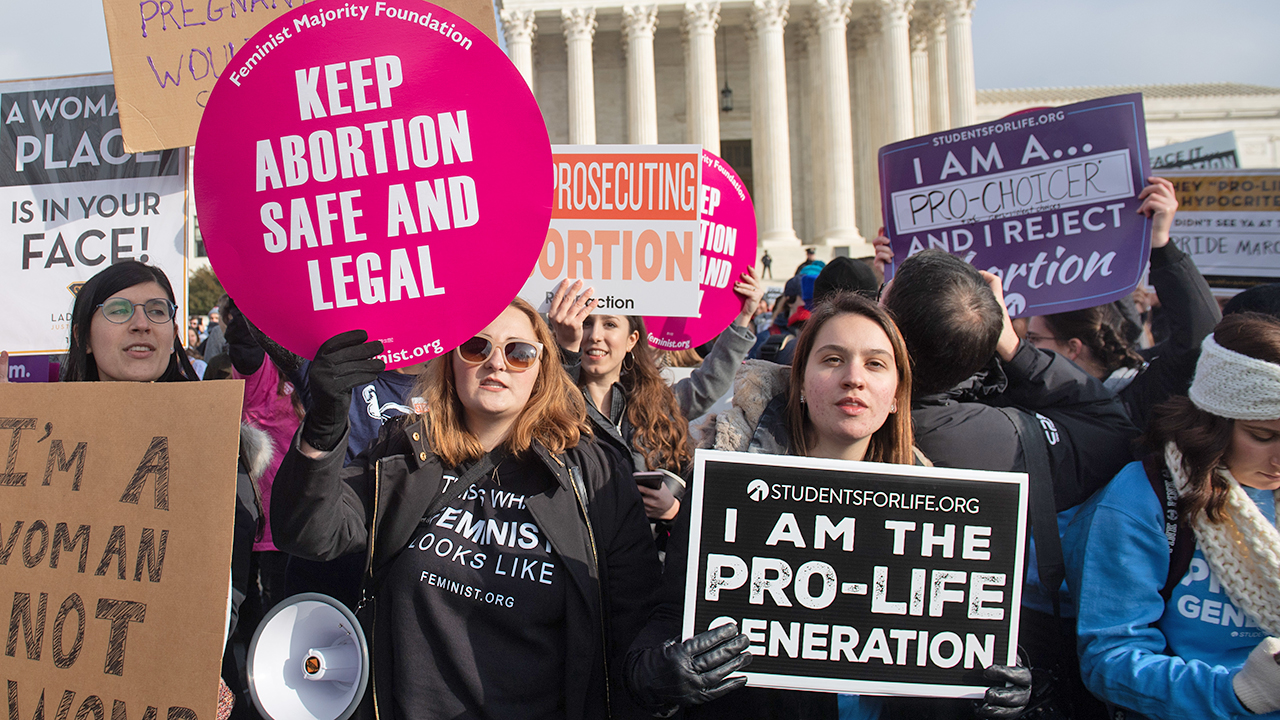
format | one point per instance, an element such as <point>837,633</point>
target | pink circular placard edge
<point>728,250</point>
<point>384,168</point>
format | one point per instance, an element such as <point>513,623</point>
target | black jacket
<point>1086,429</point>
<point>325,511</point>
<point>1187,301</point>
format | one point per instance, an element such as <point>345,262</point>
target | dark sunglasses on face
<point>519,355</point>
<point>119,310</point>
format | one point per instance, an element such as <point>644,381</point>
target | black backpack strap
<point>1182,542</point>
<point>1044,516</point>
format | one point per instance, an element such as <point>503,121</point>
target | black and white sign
<point>858,577</point>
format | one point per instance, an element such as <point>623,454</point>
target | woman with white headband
<point>1176,563</point>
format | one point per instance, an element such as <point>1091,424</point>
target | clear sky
<point>1017,43</point>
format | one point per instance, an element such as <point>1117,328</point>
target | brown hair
<point>1204,439</point>
<point>892,442</point>
<point>554,417</point>
<point>1098,328</point>
<point>661,430</point>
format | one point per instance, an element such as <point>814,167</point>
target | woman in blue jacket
<point>1197,640</point>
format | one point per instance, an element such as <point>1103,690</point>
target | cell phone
<point>652,479</point>
<point>655,479</point>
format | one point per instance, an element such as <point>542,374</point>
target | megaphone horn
<point>308,660</point>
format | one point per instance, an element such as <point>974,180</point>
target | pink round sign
<point>728,248</point>
<point>379,166</point>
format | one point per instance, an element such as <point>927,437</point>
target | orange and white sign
<point>625,221</point>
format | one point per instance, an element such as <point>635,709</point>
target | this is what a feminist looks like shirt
<point>477,604</point>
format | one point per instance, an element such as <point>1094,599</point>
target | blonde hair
<point>554,416</point>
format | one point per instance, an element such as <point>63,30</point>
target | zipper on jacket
<point>377,494</point>
<point>595,557</point>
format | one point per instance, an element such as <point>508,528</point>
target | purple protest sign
<point>381,166</point>
<point>1047,200</point>
<point>727,249</point>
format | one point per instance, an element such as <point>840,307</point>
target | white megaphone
<point>308,659</point>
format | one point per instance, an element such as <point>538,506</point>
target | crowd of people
<point>507,519</point>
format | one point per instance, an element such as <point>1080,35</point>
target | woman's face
<point>850,381</point>
<point>606,340</point>
<point>137,350</point>
<point>1041,335</point>
<point>491,391</point>
<point>1254,455</point>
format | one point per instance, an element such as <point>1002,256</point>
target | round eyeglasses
<point>119,310</point>
<point>519,355</point>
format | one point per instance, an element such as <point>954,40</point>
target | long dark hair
<point>80,365</point>
<point>661,430</point>
<point>1099,329</point>
<point>892,441</point>
<point>1202,437</point>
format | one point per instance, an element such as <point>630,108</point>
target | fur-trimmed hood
<point>256,450</point>
<point>756,385</point>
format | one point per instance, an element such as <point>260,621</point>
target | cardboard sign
<point>625,220</point>
<point>1046,200</point>
<point>395,178</point>
<point>858,577</point>
<point>75,202</point>
<point>168,54</point>
<point>727,247</point>
<point>1216,152</point>
<point>1228,221</point>
<point>115,547</point>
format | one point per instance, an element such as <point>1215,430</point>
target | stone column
<point>939,98</point>
<point>814,138</point>
<point>841,226</point>
<point>579,29</point>
<point>961,88</point>
<point>520,30</point>
<point>920,77</point>
<point>702,97</point>
<point>638,23</point>
<point>865,109</point>
<point>896,47</point>
<point>773,175</point>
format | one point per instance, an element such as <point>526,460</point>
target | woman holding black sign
<point>847,397</point>
<point>510,563</point>
<point>1176,562</point>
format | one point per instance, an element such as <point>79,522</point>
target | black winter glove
<point>1009,698</point>
<point>690,672</point>
<point>342,362</point>
<point>243,348</point>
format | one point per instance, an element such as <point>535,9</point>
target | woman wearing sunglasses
<point>509,565</point>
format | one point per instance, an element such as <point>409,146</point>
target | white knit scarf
<point>1242,549</point>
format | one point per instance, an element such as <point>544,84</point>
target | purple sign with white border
<point>1046,199</point>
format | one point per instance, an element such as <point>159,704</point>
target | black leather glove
<point>1010,697</point>
<point>342,362</point>
<point>690,672</point>
<point>243,348</point>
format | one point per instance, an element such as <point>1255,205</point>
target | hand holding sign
<point>396,154</point>
<point>691,672</point>
<point>1160,203</point>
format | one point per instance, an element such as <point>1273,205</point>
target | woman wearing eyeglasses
<point>123,330</point>
<point>509,567</point>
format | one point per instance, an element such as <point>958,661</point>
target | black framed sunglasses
<point>119,310</point>
<point>518,355</point>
